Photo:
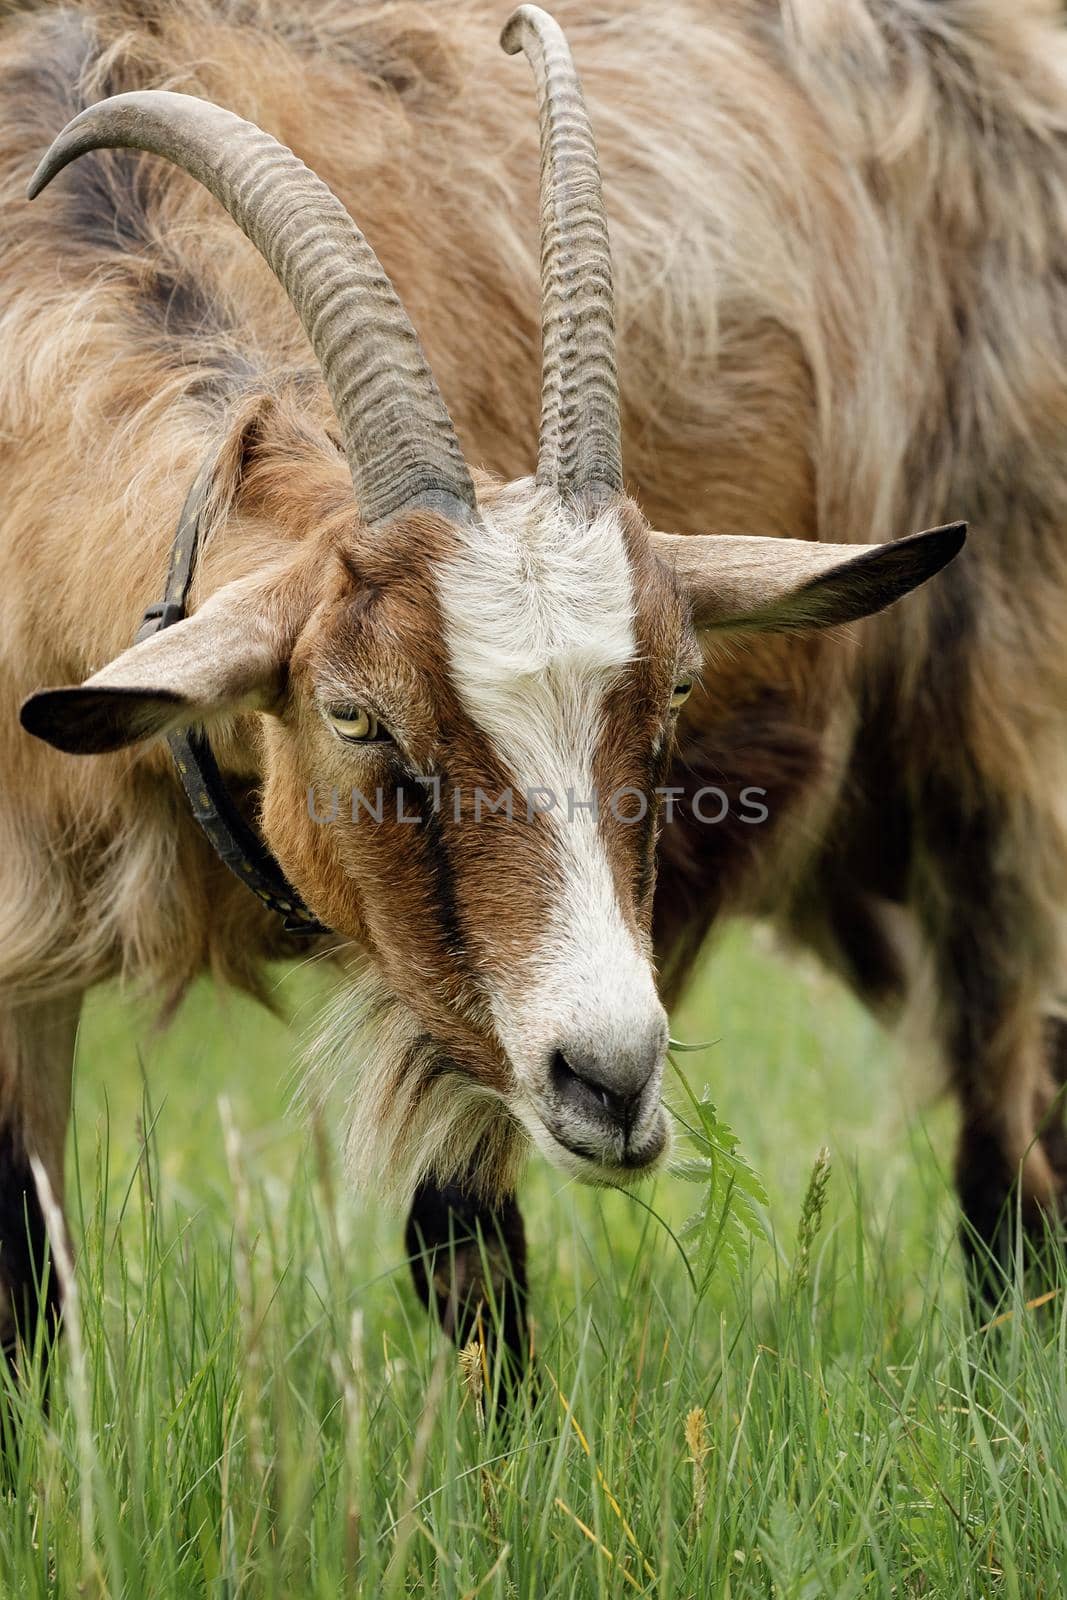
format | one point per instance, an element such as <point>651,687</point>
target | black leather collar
<point>230,836</point>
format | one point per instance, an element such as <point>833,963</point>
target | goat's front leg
<point>36,1058</point>
<point>468,1259</point>
<point>994,939</point>
<point>1054,1116</point>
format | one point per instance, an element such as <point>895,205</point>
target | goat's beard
<point>412,1116</point>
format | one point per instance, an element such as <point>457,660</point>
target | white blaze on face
<point>539,620</point>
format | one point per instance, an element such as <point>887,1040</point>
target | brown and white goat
<point>822,334</point>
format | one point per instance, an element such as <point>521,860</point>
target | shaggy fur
<point>840,229</point>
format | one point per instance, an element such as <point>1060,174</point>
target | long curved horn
<point>401,446</point>
<point>581,447</point>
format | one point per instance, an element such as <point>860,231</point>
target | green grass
<point>262,1408</point>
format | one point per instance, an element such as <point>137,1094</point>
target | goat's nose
<point>611,1086</point>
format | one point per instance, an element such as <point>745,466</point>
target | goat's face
<point>463,780</point>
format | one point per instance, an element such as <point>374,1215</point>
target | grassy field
<point>257,1405</point>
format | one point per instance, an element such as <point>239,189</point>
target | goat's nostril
<point>565,1080</point>
<point>583,1089</point>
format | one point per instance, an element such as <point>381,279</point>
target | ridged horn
<point>581,446</point>
<point>401,446</point>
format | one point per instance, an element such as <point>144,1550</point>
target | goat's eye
<point>355,724</point>
<point>681,694</point>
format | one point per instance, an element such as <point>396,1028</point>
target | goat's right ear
<point>799,585</point>
<point>230,656</point>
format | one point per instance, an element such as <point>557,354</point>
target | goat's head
<point>466,700</point>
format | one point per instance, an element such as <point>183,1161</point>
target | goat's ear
<point>795,585</point>
<point>230,656</point>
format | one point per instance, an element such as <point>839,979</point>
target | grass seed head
<point>811,1213</point>
<point>696,1439</point>
<point>472,1371</point>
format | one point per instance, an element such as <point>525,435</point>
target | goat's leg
<point>1053,1119</point>
<point>994,943</point>
<point>1007,1169</point>
<point>468,1259</point>
<point>36,1059</point>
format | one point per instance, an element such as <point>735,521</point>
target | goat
<point>833,260</point>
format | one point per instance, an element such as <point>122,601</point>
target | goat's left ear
<point>230,656</point>
<point>794,585</point>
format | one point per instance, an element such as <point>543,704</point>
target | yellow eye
<point>681,694</point>
<point>353,723</point>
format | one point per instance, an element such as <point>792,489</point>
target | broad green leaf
<point>731,1210</point>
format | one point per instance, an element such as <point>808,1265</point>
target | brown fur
<point>841,254</point>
